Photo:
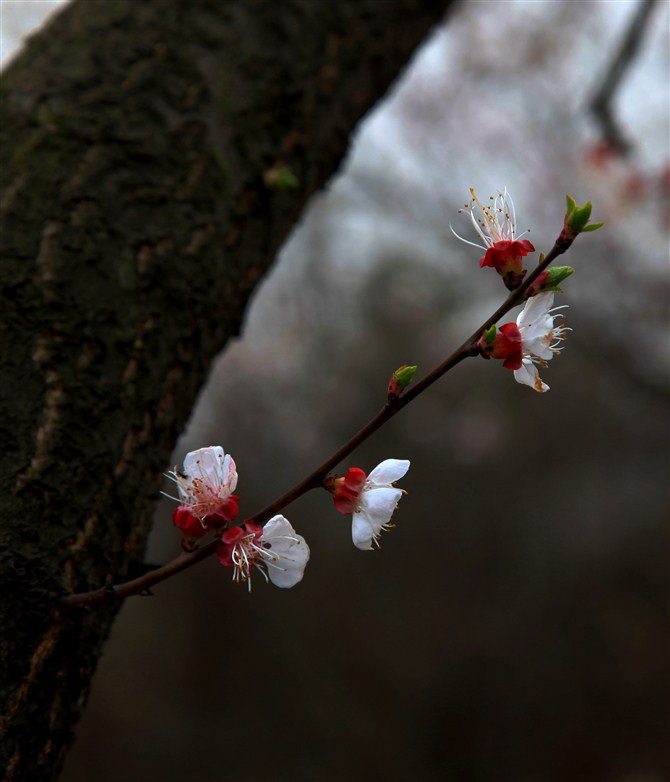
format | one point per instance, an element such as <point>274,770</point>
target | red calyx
<point>193,528</point>
<point>505,257</point>
<point>507,346</point>
<point>226,512</point>
<point>190,526</point>
<point>347,489</point>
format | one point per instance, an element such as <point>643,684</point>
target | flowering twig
<point>575,223</point>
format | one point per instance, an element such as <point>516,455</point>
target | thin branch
<point>143,584</point>
<point>601,103</point>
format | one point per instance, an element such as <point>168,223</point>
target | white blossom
<point>540,339</point>
<point>275,550</point>
<point>376,502</point>
<point>208,479</point>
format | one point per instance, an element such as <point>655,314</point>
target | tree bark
<point>138,214</point>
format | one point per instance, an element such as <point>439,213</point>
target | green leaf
<point>280,178</point>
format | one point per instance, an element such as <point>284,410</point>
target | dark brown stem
<point>315,479</point>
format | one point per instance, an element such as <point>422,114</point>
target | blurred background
<point>514,625</point>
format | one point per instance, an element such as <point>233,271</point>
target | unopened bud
<point>549,280</point>
<point>576,220</point>
<point>486,342</point>
<point>488,337</point>
<point>280,178</point>
<point>400,379</point>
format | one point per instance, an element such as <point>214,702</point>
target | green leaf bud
<point>280,178</point>
<point>400,379</point>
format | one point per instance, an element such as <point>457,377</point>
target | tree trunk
<point>139,141</point>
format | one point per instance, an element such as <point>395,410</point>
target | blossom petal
<point>229,473</point>
<point>277,531</point>
<point>205,463</point>
<point>529,376</point>
<point>288,553</point>
<point>388,472</point>
<point>375,511</point>
<point>361,531</point>
<point>540,345</point>
<point>535,311</point>
<point>379,504</point>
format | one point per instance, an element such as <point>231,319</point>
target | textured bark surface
<point>135,224</point>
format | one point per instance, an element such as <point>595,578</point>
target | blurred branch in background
<point>603,100</point>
